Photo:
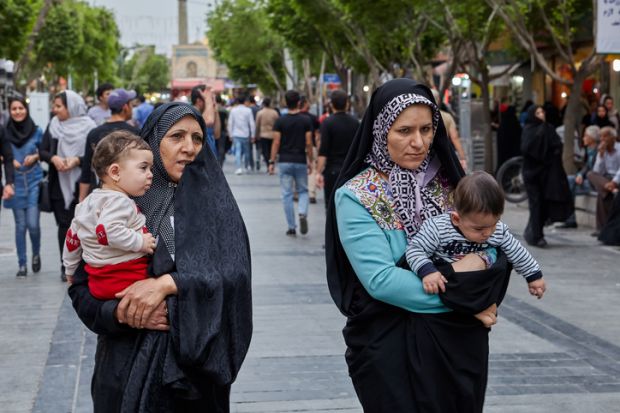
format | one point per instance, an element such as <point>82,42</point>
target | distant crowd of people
<point>151,239</point>
<point>537,134</point>
<point>308,150</point>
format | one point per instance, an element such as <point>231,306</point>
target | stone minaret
<point>182,21</point>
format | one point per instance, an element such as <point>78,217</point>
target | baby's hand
<point>488,317</point>
<point>148,243</point>
<point>434,282</point>
<point>537,288</point>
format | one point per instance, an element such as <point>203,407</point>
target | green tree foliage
<point>78,40</point>
<point>146,70</point>
<point>16,20</point>
<point>100,45</point>
<point>59,40</point>
<point>470,27</point>
<point>370,36</point>
<point>241,37</point>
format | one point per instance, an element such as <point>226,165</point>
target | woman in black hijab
<point>548,194</point>
<point>182,353</point>
<point>601,117</point>
<point>508,135</point>
<point>406,351</point>
<point>25,138</point>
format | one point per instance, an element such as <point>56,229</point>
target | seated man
<point>577,183</point>
<point>605,175</point>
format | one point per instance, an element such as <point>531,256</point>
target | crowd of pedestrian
<point>537,135</point>
<point>134,237</point>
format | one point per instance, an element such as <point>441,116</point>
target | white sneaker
<point>239,171</point>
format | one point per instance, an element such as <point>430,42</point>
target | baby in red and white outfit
<point>108,230</point>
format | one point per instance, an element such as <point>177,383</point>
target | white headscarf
<point>71,135</point>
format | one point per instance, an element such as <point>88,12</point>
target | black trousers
<point>534,229</point>
<point>330,175</point>
<point>63,219</point>
<point>265,147</point>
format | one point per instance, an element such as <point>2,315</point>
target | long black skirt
<point>425,363</point>
<point>406,362</point>
<point>610,233</point>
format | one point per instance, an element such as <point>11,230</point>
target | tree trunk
<point>361,98</point>
<point>305,63</point>
<point>489,154</point>
<point>318,90</point>
<point>571,118</point>
<point>25,59</point>
<point>272,73</point>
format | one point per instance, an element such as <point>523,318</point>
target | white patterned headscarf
<point>414,203</point>
<point>71,135</point>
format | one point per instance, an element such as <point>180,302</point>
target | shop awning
<point>217,85</point>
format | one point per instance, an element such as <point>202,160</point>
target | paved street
<point>558,355</point>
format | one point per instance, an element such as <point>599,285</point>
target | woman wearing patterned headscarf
<point>175,341</point>
<point>62,148</point>
<point>406,350</point>
<point>25,138</point>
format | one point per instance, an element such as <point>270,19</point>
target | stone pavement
<point>559,354</point>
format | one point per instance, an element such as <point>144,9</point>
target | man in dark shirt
<point>337,132</point>
<point>120,107</point>
<point>292,142</point>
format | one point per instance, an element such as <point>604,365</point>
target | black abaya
<point>546,184</point>
<point>191,367</point>
<point>508,136</point>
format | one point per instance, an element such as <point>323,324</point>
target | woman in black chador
<point>406,350</point>
<point>508,136</point>
<point>548,195</point>
<point>175,341</point>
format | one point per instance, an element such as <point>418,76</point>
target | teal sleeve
<point>369,252</point>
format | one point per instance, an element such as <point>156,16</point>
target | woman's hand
<point>8,191</point>
<point>158,319</point>
<point>72,162</point>
<point>30,159</point>
<point>59,163</point>
<point>139,300</point>
<point>16,164</point>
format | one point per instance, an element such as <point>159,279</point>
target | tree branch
<point>516,25</point>
<point>556,41</point>
<point>32,38</point>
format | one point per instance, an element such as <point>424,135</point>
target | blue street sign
<point>331,78</point>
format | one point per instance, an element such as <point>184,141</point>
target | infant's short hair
<point>479,193</point>
<point>113,147</point>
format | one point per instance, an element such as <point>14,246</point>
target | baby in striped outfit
<point>473,227</point>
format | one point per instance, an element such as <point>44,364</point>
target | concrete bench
<point>585,210</point>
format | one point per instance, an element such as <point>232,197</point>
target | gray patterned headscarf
<point>158,202</point>
<point>414,202</point>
